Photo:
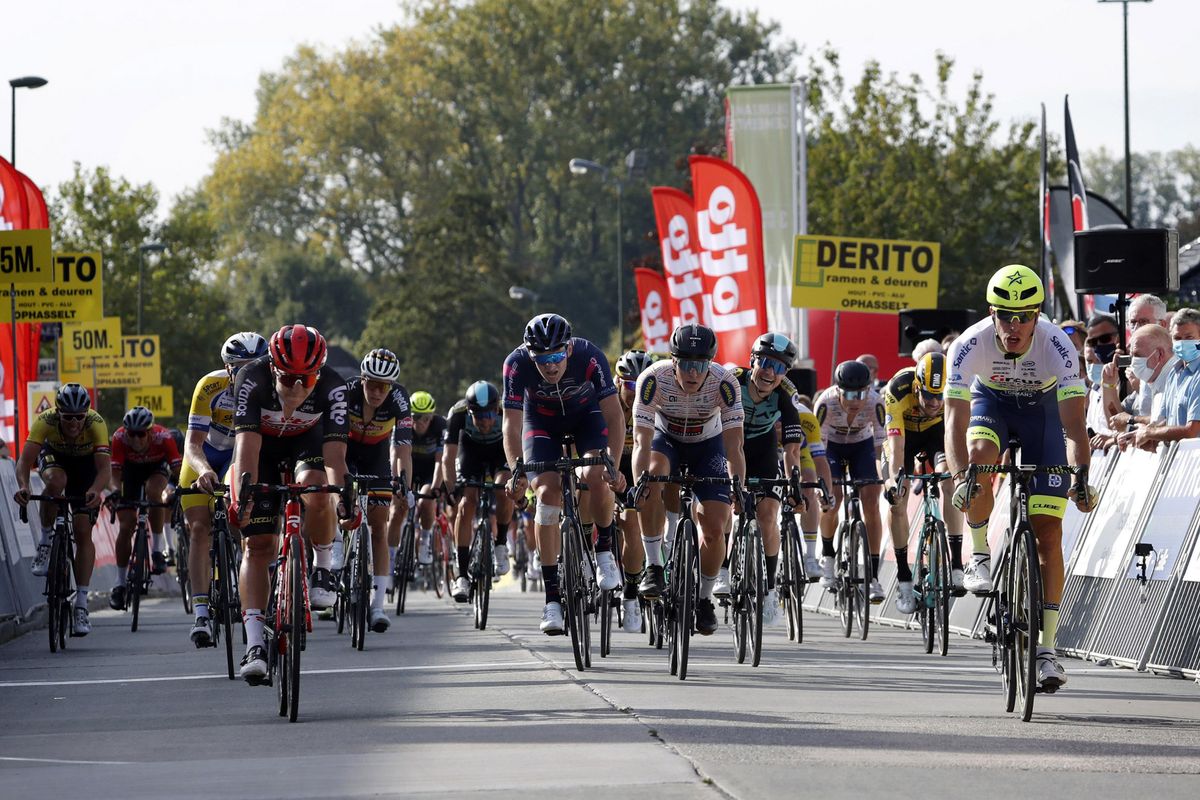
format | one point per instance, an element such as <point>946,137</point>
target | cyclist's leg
<point>633,554</point>
<point>378,511</point>
<point>261,545</point>
<point>156,488</point>
<point>652,514</point>
<point>762,461</point>
<point>197,513</point>
<point>503,517</point>
<point>987,436</point>
<point>706,459</point>
<point>829,519</point>
<point>79,480</point>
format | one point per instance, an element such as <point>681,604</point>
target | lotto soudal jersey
<point>392,419</point>
<point>586,380</point>
<point>1048,370</point>
<point>663,405</point>
<point>839,427</point>
<point>258,408</point>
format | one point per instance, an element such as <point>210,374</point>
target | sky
<point>135,85</point>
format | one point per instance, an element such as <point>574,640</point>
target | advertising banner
<point>652,300</point>
<point>101,337</point>
<point>73,294</point>
<point>24,256</point>
<point>1102,552</point>
<point>14,208</point>
<point>729,233</point>
<point>674,215</point>
<point>138,365</point>
<point>159,399</point>
<point>1170,520</point>
<point>878,276</point>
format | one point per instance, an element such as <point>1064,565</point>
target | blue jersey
<point>586,381</point>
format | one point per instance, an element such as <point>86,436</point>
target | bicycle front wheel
<point>295,624</point>
<point>574,608</point>
<point>791,587</point>
<point>223,591</point>
<point>925,584</point>
<point>483,591</point>
<point>943,589</point>
<point>846,590</point>
<point>685,615</point>
<point>1026,593</point>
<point>862,600</point>
<point>756,586</point>
<point>140,563</point>
<point>362,586</point>
<point>406,556</point>
<point>739,598</point>
<point>56,590</point>
<point>182,551</point>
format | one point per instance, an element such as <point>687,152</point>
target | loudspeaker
<point>932,323</point>
<point>1127,261</point>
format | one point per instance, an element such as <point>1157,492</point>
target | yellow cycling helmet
<point>1015,286</point>
<point>422,403</point>
<point>931,374</point>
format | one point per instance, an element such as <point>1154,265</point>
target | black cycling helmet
<point>852,375</point>
<point>482,396</point>
<point>547,332</point>
<point>633,363</point>
<point>138,418</point>
<point>693,341</point>
<point>72,398</point>
<point>777,346</point>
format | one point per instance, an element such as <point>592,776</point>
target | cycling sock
<point>200,605</point>
<point>381,587</point>
<point>631,586</point>
<point>550,581</point>
<point>875,567</point>
<point>903,571</point>
<point>654,550</point>
<point>160,542</point>
<point>323,555</point>
<point>1049,625</point>
<point>392,554</point>
<point>706,587</point>
<point>82,591</point>
<point>979,537</point>
<point>672,523</point>
<point>827,550</point>
<point>955,540</point>
<point>810,544</point>
<point>464,561</point>
<point>339,555</point>
<point>604,536</point>
<point>772,565</point>
<point>252,618</point>
<point>122,574</point>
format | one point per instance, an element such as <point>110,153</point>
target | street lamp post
<point>521,293</point>
<point>148,247</point>
<point>1128,163</point>
<point>582,166</point>
<point>28,82</point>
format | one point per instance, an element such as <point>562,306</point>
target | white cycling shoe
<point>500,564</point>
<point>977,577</point>
<point>721,587</point>
<point>41,561</point>
<point>1051,675</point>
<point>812,568</point>
<point>462,589</point>
<point>828,581</point>
<point>425,548</point>
<point>633,617</point>
<point>609,576</point>
<point>875,592</point>
<point>552,619</point>
<point>956,580</point>
<point>906,598</point>
<point>771,615</point>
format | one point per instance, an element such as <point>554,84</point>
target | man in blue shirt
<point>1181,398</point>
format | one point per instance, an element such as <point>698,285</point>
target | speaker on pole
<point>1127,261</point>
<point>917,324</point>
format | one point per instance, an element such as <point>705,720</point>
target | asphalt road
<point>435,708</point>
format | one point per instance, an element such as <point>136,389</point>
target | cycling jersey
<point>428,445</point>
<point>903,408</point>
<point>259,409</point>
<point>662,404</point>
<point>92,439</point>
<point>980,366</point>
<point>782,404</point>
<point>212,410</point>
<point>460,425</point>
<point>839,428</point>
<point>585,381</point>
<point>160,449</point>
<point>391,418</point>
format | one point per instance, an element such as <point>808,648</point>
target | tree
<point>1165,187</point>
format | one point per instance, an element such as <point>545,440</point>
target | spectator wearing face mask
<point>1181,397</point>
<point>1151,364</point>
<point>1100,347</point>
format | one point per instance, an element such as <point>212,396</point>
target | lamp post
<point>148,247</point>
<point>1128,167</point>
<point>521,293</point>
<point>582,166</point>
<point>28,82</point>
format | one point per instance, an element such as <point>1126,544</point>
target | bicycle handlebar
<point>61,500</point>
<point>924,477</point>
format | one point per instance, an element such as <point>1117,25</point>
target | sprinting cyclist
<point>143,455</point>
<point>852,421</point>
<point>633,555</point>
<point>429,429</point>
<point>207,452</point>
<point>554,385</point>
<point>1013,374</point>
<point>688,413</point>
<point>69,445</point>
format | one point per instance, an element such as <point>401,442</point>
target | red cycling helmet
<point>298,349</point>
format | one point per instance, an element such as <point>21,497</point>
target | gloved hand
<point>964,494</point>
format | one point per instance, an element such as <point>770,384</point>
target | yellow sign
<point>159,399</point>
<point>881,276</point>
<point>41,396</point>
<point>24,256</point>
<point>139,364</point>
<point>73,294</point>
<point>101,337</point>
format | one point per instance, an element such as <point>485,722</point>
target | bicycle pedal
<point>958,591</point>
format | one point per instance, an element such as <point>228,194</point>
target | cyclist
<point>380,445</point>
<point>1013,373</point>
<point>915,428</point>
<point>633,555</point>
<point>143,455</point>
<point>429,429</point>
<point>474,427</point>
<point>207,451</point>
<point>852,418</point>
<point>69,445</point>
<point>288,411</point>
<point>688,413</point>
<point>554,385</point>
<point>768,398</point>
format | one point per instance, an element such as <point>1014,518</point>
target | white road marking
<point>61,761</point>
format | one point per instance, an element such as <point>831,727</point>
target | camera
<point>1123,362</point>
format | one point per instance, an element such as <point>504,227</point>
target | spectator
<point>873,365</point>
<point>1146,309</point>
<point>948,340</point>
<point>1076,331</point>
<point>1153,362</point>
<point>1099,349</point>
<point>924,347</point>
<point>1181,397</point>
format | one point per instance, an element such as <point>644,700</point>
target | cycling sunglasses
<point>550,358</point>
<point>854,394</point>
<point>771,364</point>
<point>931,397</point>
<point>1014,317</point>
<point>484,415</point>
<point>72,417</point>
<point>290,379</point>
<point>1071,330</point>
<point>630,385</point>
<point>699,365</point>
<point>137,434</point>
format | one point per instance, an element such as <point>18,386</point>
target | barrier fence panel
<point>21,590</point>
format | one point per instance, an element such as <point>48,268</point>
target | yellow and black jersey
<point>903,411</point>
<point>92,439</point>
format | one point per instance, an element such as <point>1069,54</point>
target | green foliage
<point>1165,186</point>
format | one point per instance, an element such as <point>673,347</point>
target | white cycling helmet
<point>381,365</point>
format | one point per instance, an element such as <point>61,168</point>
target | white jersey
<point>838,427</point>
<point>663,405</point>
<point>978,365</point>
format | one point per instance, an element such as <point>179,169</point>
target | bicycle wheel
<point>756,590</point>
<point>224,605</point>
<point>862,601</point>
<point>925,585</point>
<point>139,562</point>
<point>606,619</point>
<point>56,589</point>
<point>572,590</point>
<point>439,562</point>
<point>847,574</point>
<point>345,583</point>
<point>942,589</point>
<point>278,642</point>
<point>295,623</point>
<point>406,555</point>
<point>182,550</point>
<point>361,587</point>
<point>1027,613</point>
<point>685,620</point>
<point>483,591</point>
<point>790,582</point>
<point>658,624</point>
<point>739,599</point>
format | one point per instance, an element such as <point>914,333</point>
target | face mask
<point>1186,350</point>
<point>1141,368</point>
<point>1105,352</point>
<point>1095,372</point>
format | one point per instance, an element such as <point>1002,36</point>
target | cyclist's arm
<point>511,429</point>
<point>793,456</point>
<point>734,436</point>
<point>402,462</point>
<point>449,455</point>
<point>614,418</point>
<point>958,417</point>
<point>193,451</point>
<point>1073,412</point>
<point>895,451</point>
<point>104,472</point>
<point>246,448</point>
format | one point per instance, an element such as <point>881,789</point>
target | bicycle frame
<point>854,573</point>
<point>60,574</point>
